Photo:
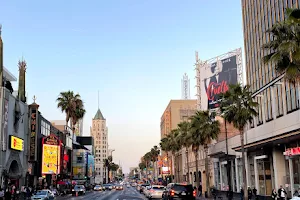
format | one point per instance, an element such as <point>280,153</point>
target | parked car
<point>79,189</point>
<point>179,191</point>
<point>146,190</point>
<point>43,195</point>
<point>142,187</point>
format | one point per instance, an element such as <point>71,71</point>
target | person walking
<point>281,193</point>
<point>200,190</point>
<point>274,194</point>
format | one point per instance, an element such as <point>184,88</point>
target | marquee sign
<point>51,159</point>
<point>16,143</point>
<point>33,134</point>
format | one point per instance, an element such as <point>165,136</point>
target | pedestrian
<point>200,190</point>
<point>254,192</point>
<point>1,194</point>
<point>242,193</point>
<point>274,194</point>
<point>249,193</point>
<point>281,193</point>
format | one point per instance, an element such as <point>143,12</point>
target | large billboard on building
<point>91,165</point>
<point>51,155</point>
<point>215,76</point>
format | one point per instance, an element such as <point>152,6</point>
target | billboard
<point>91,166</point>
<point>51,155</point>
<point>215,76</point>
<point>16,143</point>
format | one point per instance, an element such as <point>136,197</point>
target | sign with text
<point>215,77</point>
<point>292,151</point>
<point>33,135</point>
<point>16,143</point>
<point>51,155</point>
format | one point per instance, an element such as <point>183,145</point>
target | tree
<point>165,146</point>
<point>174,146</point>
<point>184,139</point>
<point>9,86</point>
<point>240,111</point>
<point>200,137</point>
<point>154,154</point>
<point>147,159</point>
<point>68,102</point>
<point>284,47</point>
<point>209,129</point>
<point>142,165</point>
<point>107,163</point>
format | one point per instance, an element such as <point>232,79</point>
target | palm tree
<point>175,147</point>
<point>107,162</point>
<point>184,139</point>
<point>68,103</point>
<point>209,129</point>
<point>240,111</point>
<point>147,159</point>
<point>165,146</point>
<point>154,154</point>
<point>284,47</point>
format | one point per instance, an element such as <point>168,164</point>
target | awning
<point>76,145</point>
<point>221,154</point>
<point>284,138</point>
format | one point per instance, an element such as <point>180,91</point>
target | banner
<point>215,77</point>
<point>51,155</point>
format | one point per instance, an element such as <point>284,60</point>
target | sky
<point>134,52</point>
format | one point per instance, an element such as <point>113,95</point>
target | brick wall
<point>231,131</point>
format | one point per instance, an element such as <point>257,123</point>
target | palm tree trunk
<point>154,171</point>
<point>207,170</point>
<point>244,166</point>
<point>187,165</point>
<point>197,170</point>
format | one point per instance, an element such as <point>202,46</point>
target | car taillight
<point>172,192</point>
<point>194,193</point>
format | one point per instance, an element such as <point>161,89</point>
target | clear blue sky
<point>133,51</point>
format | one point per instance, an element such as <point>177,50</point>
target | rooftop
<point>99,115</point>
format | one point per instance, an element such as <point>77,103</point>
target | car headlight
<point>81,190</point>
<point>73,190</point>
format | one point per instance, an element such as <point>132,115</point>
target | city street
<point>126,194</point>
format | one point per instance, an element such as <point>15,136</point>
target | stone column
<point>238,186</point>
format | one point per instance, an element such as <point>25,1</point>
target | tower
<point>21,90</point>
<point>185,87</point>
<point>99,132</point>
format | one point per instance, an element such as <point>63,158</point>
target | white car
<point>146,190</point>
<point>43,195</point>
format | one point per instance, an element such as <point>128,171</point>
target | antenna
<point>98,99</point>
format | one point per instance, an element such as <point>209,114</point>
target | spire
<point>99,115</point>
<point>22,72</point>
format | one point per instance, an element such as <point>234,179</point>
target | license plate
<point>183,193</point>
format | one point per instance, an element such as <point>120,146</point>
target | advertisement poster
<point>51,158</point>
<point>91,165</point>
<point>215,77</point>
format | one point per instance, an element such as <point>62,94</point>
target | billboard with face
<point>215,77</point>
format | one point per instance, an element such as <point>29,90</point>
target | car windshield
<point>157,188</point>
<point>78,187</point>
<point>41,193</point>
<point>97,186</point>
<point>107,185</point>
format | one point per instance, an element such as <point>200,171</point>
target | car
<point>128,186</point>
<point>97,188</point>
<point>107,187</point>
<point>156,192</point>
<point>42,195</point>
<point>141,189</point>
<point>79,190</point>
<point>119,187</point>
<point>178,190</point>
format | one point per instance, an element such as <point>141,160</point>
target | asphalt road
<point>126,194</point>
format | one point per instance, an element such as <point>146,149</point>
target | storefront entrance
<point>264,176</point>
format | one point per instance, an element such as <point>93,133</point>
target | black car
<point>179,191</point>
<point>78,190</point>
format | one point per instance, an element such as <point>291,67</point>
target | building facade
<point>272,140</point>
<point>99,132</point>
<point>177,111</point>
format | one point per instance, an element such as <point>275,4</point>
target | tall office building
<point>185,87</point>
<point>271,141</point>
<point>99,132</point>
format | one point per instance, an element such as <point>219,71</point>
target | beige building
<point>177,111</point>
<point>99,132</point>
